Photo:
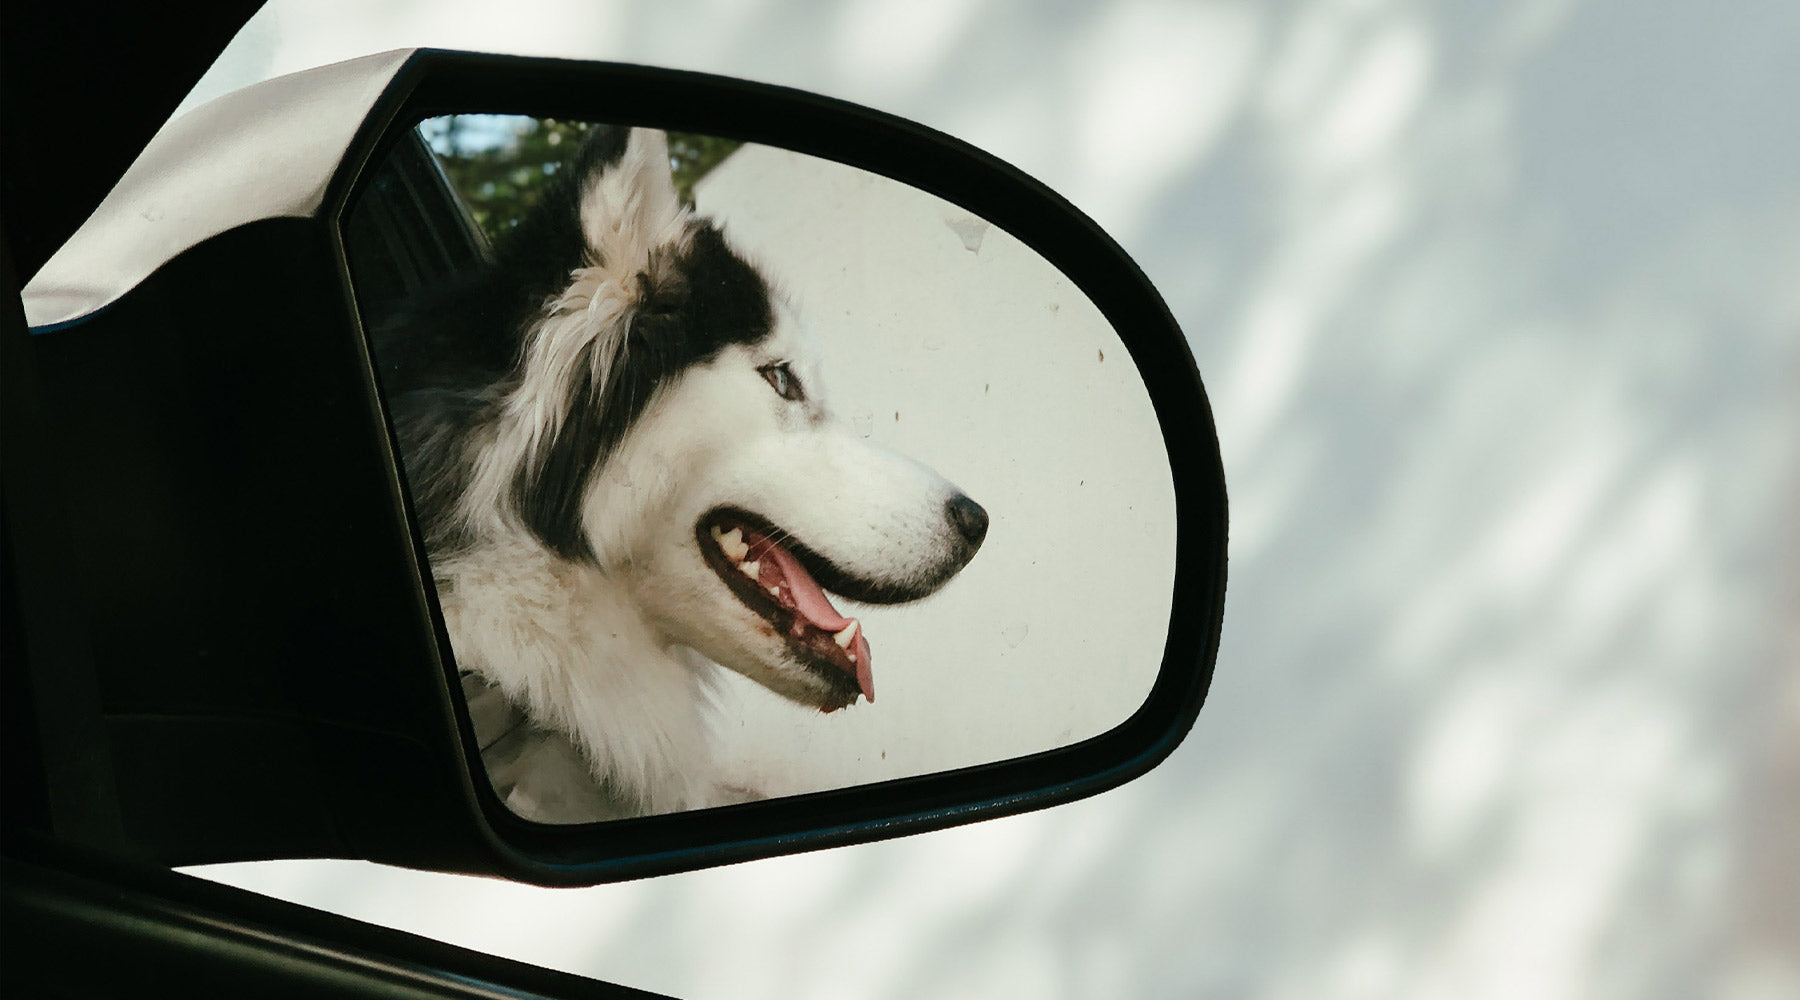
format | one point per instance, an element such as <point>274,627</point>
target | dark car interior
<point>79,918</point>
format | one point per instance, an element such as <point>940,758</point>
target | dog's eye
<point>781,378</point>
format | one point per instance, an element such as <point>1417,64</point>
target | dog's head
<point>672,431</point>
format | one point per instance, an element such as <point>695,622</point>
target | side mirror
<point>538,468</point>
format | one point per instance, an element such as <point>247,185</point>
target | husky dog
<point>619,447</point>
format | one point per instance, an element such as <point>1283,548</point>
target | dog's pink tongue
<point>810,600</point>
<point>865,667</point>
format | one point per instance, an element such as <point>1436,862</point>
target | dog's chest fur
<point>590,690</point>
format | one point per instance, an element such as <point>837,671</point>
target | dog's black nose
<point>968,517</point>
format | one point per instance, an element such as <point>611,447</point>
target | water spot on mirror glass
<point>969,229</point>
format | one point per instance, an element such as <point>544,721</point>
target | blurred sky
<point>1499,304</point>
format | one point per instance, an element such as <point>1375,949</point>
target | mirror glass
<point>744,473</point>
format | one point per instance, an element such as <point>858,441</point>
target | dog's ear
<point>572,355</point>
<point>628,202</point>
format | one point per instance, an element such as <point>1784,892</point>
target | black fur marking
<point>448,359</point>
<point>434,427</point>
<point>706,299</point>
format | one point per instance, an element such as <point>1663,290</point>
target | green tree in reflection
<point>500,166</point>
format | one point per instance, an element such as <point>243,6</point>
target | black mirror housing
<point>272,673</point>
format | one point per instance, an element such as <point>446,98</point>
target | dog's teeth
<point>847,636</point>
<point>774,591</point>
<point>731,543</point>
<point>751,569</point>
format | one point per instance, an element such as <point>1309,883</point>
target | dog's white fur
<point>617,655</point>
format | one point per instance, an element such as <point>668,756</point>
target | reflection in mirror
<point>744,473</point>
